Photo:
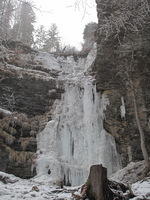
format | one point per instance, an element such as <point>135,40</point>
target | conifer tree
<point>52,42</point>
<point>40,37</point>
<point>89,36</point>
<point>23,28</point>
<point>6,11</point>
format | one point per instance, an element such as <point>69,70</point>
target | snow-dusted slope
<point>40,189</point>
<point>48,60</point>
<point>142,189</point>
<point>18,189</point>
<point>75,139</point>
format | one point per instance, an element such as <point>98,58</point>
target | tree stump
<point>98,187</point>
<point>97,183</point>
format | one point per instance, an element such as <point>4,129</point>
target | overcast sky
<point>70,17</point>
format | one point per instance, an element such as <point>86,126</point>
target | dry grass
<point>21,157</point>
<point>24,142</point>
<point>9,139</point>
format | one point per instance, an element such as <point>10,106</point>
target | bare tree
<point>142,136</point>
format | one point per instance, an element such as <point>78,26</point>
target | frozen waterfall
<point>75,138</point>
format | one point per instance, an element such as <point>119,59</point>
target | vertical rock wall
<point>123,50</point>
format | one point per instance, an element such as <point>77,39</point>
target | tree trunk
<point>142,137</point>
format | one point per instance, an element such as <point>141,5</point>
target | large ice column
<point>75,139</point>
<point>81,137</point>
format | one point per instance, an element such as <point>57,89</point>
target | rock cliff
<point>121,69</point>
<point>28,91</point>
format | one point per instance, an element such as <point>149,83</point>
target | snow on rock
<point>20,72</point>
<point>89,59</point>
<point>142,189</point>
<point>75,138</point>
<point>129,174</point>
<point>9,176</point>
<point>5,112</point>
<point>48,60</point>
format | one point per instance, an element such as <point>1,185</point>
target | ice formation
<point>122,108</point>
<point>75,138</point>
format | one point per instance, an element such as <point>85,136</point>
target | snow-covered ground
<point>130,175</point>
<point>39,188</point>
<point>142,189</point>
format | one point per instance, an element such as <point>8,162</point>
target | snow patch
<point>48,60</point>
<point>142,189</point>
<point>6,112</point>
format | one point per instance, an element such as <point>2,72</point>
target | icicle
<point>122,108</point>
